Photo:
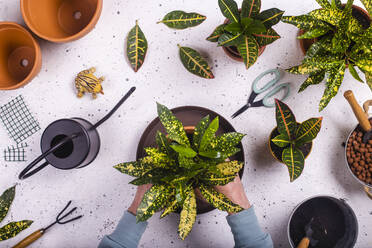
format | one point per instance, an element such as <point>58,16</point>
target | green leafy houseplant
<point>247,29</point>
<point>13,228</point>
<point>292,137</point>
<point>179,19</point>
<point>342,41</point>
<point>181,163</point>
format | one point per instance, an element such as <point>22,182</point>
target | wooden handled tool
<point>30,239</point>
<point>305,242</point>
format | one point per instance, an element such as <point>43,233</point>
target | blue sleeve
<point>126,235</point>
<point>247,232</point>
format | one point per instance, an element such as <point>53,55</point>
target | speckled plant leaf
<point>308,130</point>
<point>225,142</point>
<point>6,200</point>
<point>305,22</point>
<point>324,63</point>
<point>195,63</point>
<point>218,200</point>
<point>317,49</point>
<point>324,4</point>
<point>281,140</point>
<point>314,33</point>
<point>182,191</point>
<point>188,215</point>
<point>354,73</point>
<point>250,8</point>
<point>136,47</point>
<point>217,33</point>
<point>157,156</point>
<point>334,81</point>
<point>267,37</point>
<point>302,69</point>
<point>186,162</point>
<point>340,42</point>
<point>185,151</point>
<point>172,206</point>
<point>228,39</point>
<point>172,125</point>
<point>248,49</point>
<point>368,5</point>
<point>209,134</point>
<point>153,176</point>
<point>313,79</point>
<point>331,16</point>
<point>270,17</point>
<point>229,9</point>
<point>336,4</point>
<point>369,79</point>
<point>365,64</point>
<point>354,26</point>
<point>12,229</point>
<point>179,19</point>
<point>134,169</point>
<point>213,179</point>
<point>163,143</point>
<point>229,168</point>
<point>230,153</point>
<point>153,200</point>
<point>199,131</point>
<point>285,119</point>
<point>294,160</point>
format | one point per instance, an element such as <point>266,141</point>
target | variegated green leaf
<point>285,119</point>
<point>303,69</point>
<point>305,22</point>
<point>317,50</point>
<point>225,142</point>
<point>209,134</point>
<point>336,4</point>
<point>229,9</point>
<point>234,28</point>
<point>217,33</point>
<point>185,151</point>
<point>230,153</point>
<point>172,206</point>
<point>153,200</point>
<point>186,162</point>
<point>324,4</point>
<point>188,215</point>
<point>211,154</point>
<point>365,64</point>
<point>340,42</point>
<point>281,140</point>
<point>195,63</point>
<point>181,191</point>
<point>163,143</point>
<point>354,26</point>
<point>250,8</point>
<point>228,39</point>
<point>12,229</point>
<point>218,200</point>
<point>136,47</point>
<point>314,33</point>
<point>294,160</point>
<point>179,19</point>
<point>229,168</point>
<point>216,179</point>
<point>200,129</point>
<point>270,17</point>
<point>354,73</point>
<point>313,79</point>
<point>334,81</point>
<point>331,16</point>
<point>267,37</point>
<point>6,200</point>
<point>368,5</point>
<point>172,125</point>
<point>134,169</point>
<point>308,130</point>
<point>248,49</point>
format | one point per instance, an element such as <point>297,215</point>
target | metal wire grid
<point>18,120</point>
<point>15,154</point>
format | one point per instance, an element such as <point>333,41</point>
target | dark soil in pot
<point>277,151</point>
<point>333,223</point>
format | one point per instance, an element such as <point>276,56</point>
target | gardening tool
<point>70,143</point>
<point>305,242</point>
<point>360,115</point>
<point>266,87</point>
<point>39,233</point>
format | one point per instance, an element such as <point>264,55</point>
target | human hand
<point>235,192</point>
<point>141,190</point>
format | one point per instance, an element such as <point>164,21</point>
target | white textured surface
<point>103,194</point>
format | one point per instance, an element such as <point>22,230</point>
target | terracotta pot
<point>306,43</point>
<point>235,55</point>
<point>61,20</point>
<point>20,56</point>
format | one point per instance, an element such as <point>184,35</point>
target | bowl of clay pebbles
<point>323,221</point>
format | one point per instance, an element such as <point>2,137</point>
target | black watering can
<point>70,143</point>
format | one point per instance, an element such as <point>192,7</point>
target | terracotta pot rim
<point>234,56</point>
<point>37,63</point>
<point>73,37</point>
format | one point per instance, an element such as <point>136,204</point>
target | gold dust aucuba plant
<point>182,163</point>
<point>136,47</point>
<point>13,228</point>
<point>292,136</point>
<point>248,29</point>
<point>342,41</point>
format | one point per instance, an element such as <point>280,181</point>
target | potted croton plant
<point>291,142</point>
<point>185,159</point>
<point>343,39</point>
<point>246,31</point>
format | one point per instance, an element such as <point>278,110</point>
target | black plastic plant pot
<point>332,221</point>
<point>189,116</point>
<point>277,151</point>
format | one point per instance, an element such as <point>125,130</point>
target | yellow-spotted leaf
<point>172,206</point>
<point>354,73</point>
<point>365,64</point>
<point>314,33</point>
<point>308,130</point>
<point>305,22</point>
<point>214,179</point>
<point>200,129</point>
<point>209,134</point>
<point>218,200</point>
<point>163,143</point>
<point>226,142</point>
<point>180,20</point>
<point>270,17</point>
<point>188,215</point>
<point>267,37</point>
<point>12,229</point>
<point>229,168</point>
<point>6,200</point>
<point>331,16</point>
<point>294,160</point>
<point>250,8</point>
<point>136,47</point>
<point>195,63</point>
<point>134,169</point>
<point>248,49</point>
<point>229,9</point>
<point>324,4</point>
<point>334,81</point>
<point>285,120</point>
<point>368,5</point>
<point>281,140</point>
<point>216,33</point>
<point>313,79</point>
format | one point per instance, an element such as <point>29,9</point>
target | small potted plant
<point>343,39</point>
<point>291,142</point>
<point>185,159</point>
<point>246,31</point>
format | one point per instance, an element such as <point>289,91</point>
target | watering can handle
<point>27,173</point>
